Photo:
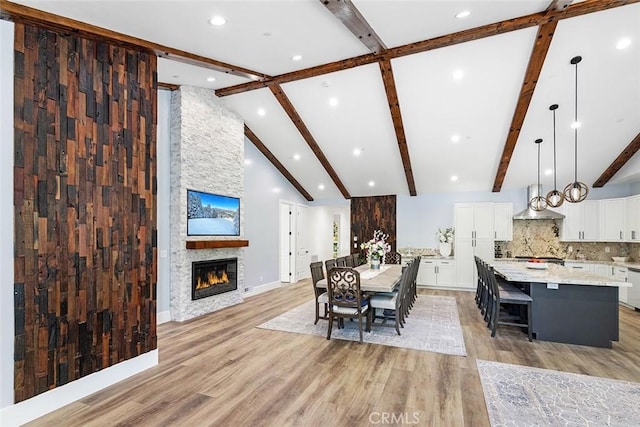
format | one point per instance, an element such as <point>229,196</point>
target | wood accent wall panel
<point>373,213</point>
<point>85,207</point>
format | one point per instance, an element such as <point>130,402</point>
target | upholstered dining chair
<point>392,306</point>
<point>345,298</point>
<point>321,295</point>
<point>392,258</point>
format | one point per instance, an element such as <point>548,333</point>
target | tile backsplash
<point>541,238</point>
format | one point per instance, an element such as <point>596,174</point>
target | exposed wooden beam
<point>626,154</point>
<point>302,128</point>
<point>559,5</point>
<point>27,15</point>
<point>532,20</point>
<point>396,116</point>
<point>168,86</point>
<point>538,54</point>
<point>275,162</point>
<point>351,17</point>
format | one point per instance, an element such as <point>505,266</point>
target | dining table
<point>384,279</point>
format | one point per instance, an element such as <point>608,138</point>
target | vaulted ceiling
<point>422,95</point>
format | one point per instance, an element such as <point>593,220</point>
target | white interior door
<point>302,243</point>
<point>286,237</point>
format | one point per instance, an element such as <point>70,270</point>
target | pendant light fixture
<point>576,191</point>
<point>555,198</point>
<point>538,203</point>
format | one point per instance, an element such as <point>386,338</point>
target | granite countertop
<point>629,264</point>
<point>554,273</point>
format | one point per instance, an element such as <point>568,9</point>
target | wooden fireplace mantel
<point>216,244</point>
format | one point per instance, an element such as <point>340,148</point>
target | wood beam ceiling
<point>396,116</point>
<point>288,107</point>
<point>350,16</point>
<point>532,20</point>
<point>626,154</point>
<point>536,60</point>
<point>275,162</point>
<point>27,15</point>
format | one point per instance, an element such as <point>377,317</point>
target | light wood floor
<point>221,370</point>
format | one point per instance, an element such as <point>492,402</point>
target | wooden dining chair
<point>321,295</point>
<point>355,260</point>
<point>341,261</point>
<point>392,258</point>
<point>349,261</point>
<point>329,264</point>
<point>391,307</point>
<point>346,299</point>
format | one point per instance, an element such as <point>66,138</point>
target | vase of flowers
<point>445,237</point>
<point>376,248</point>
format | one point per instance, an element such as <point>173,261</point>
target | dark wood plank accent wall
<point>85,207</point>
<point>373,213</point>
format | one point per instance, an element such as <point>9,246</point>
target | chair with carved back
<point>321,295</point>
<point>345,298</point>
<point>392,258</point>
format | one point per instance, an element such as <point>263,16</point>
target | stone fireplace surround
<point>207,154</point>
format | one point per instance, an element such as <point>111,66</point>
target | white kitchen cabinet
<point>633,293</point>
<point>612,224</point>
<point>581,222</point>
<point>503,222</point>
<point>436,272</point>
<point>622,273</point>
<point>603,270</point>
<point>580,266</point>
<point>474,237</point>
<point>632,219</point>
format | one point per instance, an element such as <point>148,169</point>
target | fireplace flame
<point>212,280</point>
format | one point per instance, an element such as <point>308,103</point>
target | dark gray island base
<point>568,306</point>
<point>575,314</point>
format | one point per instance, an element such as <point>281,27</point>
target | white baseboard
<point>163,317</point>
<point>28,410</point>
<point>262,288</point>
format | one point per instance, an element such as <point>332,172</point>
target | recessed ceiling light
<point>463,14</point>
<point>455,138</point>
<point>372,183</point>
<point>548,171</point>
<point>333,102</point>
<point>296,57</point>
<point>175,76</point>
<point>321,187</point>
<point>296,156</point>
<point>247,161</point>
<point>623,43</point>
<point>261,112</point>
<point>454,178</point>
<point>357,151</point>
<point>217,21</point>
<point>277,190</point>
<point>458,74</point>
<point>267,34</point>
<point>211,79</point>
<point>575,125</point>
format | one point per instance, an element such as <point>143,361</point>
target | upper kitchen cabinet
<point>474,221</point>
<point>632,219</point>
<point>503,221</point>
<point>581,222</point>
<point>612,223</point>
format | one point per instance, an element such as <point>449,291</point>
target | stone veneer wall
<point>541,238</point>
<point>207,154</point>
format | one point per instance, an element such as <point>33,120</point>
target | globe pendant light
<point>554,198</point>
<point>576,191</point>
<point>538,202</point>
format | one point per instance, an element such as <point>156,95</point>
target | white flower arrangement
<point>377,247</point>
<point>446,235</point>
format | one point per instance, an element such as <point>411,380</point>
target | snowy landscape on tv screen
<point>212,214</point>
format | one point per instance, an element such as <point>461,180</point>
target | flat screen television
<point>212,214</point>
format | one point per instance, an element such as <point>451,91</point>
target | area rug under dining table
<point>433,325</point>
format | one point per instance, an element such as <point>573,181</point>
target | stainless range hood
<point>533,191</point>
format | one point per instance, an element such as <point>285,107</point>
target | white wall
<point>163,179</point>
<point>6,214</point>
<point>264,187</point>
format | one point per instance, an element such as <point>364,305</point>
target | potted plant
<point>445,237</point>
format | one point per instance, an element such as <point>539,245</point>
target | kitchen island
<point>568,306</point>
